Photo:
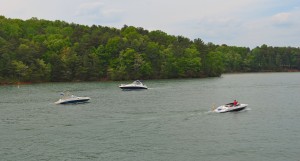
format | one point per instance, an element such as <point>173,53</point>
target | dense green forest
<point>38,50</point>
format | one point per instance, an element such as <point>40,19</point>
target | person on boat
<point>235,103</point>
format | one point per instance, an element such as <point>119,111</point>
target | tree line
<point>37,50</point>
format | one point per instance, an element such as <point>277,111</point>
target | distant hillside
<point>40,50</point>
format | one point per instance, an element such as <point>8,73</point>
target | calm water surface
<point>171,121</point>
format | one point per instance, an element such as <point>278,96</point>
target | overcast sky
<point>247,23</point>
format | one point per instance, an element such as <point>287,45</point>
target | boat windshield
<point>65,95</point>
<point>137,82</point>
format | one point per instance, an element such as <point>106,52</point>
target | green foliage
<point>233,58</point>
<point>215,65</point>
<point>129,65</point>
<point>41,50</point>
<point>40,71</point>
<point>20,70</point>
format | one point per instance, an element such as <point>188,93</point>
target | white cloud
<point>281,18</point>
<point>85,9</point>
<point>98,13</point>
<point>279,29</point>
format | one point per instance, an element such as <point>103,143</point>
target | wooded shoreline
<point>27,83</point>
<point>36,50</point>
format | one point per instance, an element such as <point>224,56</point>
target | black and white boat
<point>68,98</point>
<point>134,85</point>
<point>230,108</point>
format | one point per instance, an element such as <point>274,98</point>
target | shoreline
<point>106,80</point>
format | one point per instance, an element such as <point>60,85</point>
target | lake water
<point>171,121</point>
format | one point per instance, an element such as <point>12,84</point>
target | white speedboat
<point>68,98</point>
<point>134,85</point>
<point>230,108</point>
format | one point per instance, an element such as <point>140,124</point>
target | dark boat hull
<point>75,101</point>
<point>235,110</point>
<point>132,88</point>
